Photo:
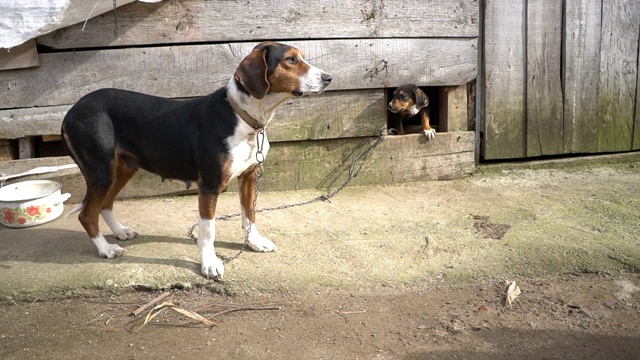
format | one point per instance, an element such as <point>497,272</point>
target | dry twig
<point>151,303</point>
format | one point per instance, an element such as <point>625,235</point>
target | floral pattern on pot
<point>22,216</point>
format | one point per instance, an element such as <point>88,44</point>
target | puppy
<point>209,140</point>
<point>408,101</point>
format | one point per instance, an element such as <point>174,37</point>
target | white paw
<point>429,134</point>
<point>260,243</point>
<point>111,251</point>
<point>212,267</point>
<point>125,233</point>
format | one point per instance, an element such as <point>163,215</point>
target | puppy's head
<point>277,68</point>
<point>408,100</point>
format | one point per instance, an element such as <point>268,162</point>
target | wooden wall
<point>561,77</point>
<point>187,48</point>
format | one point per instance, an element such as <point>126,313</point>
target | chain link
<point>115,19</point>
<point>355,167</point>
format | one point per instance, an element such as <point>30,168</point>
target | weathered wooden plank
<point>544,89</point>
<point>19,57</point>
<point>581,75</point>
<point>26,148</point>
<point>618,74</point>
<point>23,122</point>
<point>186,71</point>
<point>305,164</point>
<point>6,151</point>
<point>636,130</point>
<point>335,114</point>
<point>190,21</point>
<point>453,108</point>
<point>325,163</point>
<point>505,96</point>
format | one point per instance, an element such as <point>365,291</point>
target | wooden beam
<point>19,123</point>
<point>26,148</point>
<point>186,71</point>
<point>191,21</point>
<point>20,57</point>
<point>453,108</point>
<point>335,114</point>
<point>325,163</point>
<point>544,88</point>
<point>504,129</point>
<point>581,66</point>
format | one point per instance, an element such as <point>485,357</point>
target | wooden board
<point>324,164</point>
<point>636,131</point>
<point>618,74</point>
<point>186,71</point>
<point>504,131</point>
<point>20,57</point>
<point>319,164</point>
<point>453,108</point>
<point>581,75</point>
<point>190,21</point>
<point>544,88</point>
<point>18,123</point>
<point>6,151</point>
<point>335,114</point>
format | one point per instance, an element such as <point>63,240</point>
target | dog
<point>408,101</point>
<point>210,140</point>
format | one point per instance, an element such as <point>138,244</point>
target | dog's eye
<point>403,96</point>
<point>292,60</point>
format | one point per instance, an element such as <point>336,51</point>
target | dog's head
<point>408,100</point>
<point>277,68</point>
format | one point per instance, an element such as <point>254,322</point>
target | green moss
<point>615,122</point>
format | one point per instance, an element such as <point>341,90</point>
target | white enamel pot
<point>31,203</point>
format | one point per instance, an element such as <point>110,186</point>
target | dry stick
<point>151,303</point>
<point>244,309</point>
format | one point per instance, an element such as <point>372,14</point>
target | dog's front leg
<point>211,266</point>
<point>247,187</point>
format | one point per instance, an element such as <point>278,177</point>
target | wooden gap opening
<point>448,109</point>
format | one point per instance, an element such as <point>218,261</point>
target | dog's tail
<point>75,209</point>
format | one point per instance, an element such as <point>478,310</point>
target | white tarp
<point>21,20</point>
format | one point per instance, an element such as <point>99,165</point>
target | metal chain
<point>115,19</point>
<point>259,170</point>
<point>354,169</point>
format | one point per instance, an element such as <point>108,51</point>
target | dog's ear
<point>422,100</point>
<point>252,72</point>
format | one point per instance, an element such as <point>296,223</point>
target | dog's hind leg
<point>89,216</point>
<point>123,173</point>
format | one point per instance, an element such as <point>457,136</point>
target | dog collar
<point>255,124</point>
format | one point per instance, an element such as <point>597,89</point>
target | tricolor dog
<point>209,140</point>
<point>408,101</point>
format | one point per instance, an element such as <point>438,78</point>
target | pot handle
<point>64,197</point>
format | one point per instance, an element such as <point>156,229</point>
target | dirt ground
<point>412,271</point>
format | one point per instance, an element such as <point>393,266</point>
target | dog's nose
<point>326,78</point>
<point>390,105</point>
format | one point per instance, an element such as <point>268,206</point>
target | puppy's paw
<point>212,267</point>
<point>125,233</point>
<point>429,134</point>
<point>111,251</point>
